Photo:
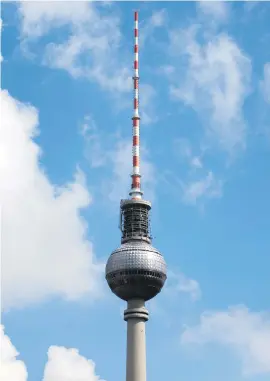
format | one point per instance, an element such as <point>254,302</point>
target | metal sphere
<point>136,270</point>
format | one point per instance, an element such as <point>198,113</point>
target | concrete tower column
<point>136,315</point>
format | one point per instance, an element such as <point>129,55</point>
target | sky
<point>66,107</point>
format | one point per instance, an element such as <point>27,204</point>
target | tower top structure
<point>136,269</point>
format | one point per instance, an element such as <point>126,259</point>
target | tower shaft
<point>136,315</point>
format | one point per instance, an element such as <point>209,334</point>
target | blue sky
<point>66,103</point>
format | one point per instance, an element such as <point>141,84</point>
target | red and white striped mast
<point>136,192</point>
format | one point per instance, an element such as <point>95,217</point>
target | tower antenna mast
<point>136,192</point>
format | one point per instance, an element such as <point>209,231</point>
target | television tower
<point>136,271</point>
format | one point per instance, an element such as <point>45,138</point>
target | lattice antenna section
<point>135,221</point>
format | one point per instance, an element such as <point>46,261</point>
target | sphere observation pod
<point>136,270</point>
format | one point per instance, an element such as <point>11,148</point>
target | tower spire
<point>136,192</point>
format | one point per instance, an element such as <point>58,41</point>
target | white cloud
<point>246,333</point>
<point>63,364</point>
<point>67,364</point>
<point>147,104</point>
<point>209,73</point>
<point>217,10</point>
<point>200,183</point>
<point>157,20</point>
<point>44,247</point>
<point>120,183</point>
<point>214,80</point>
<point>38,17</point>
<point>184,150</point>
<point>206,187</point>
<point>178,290</point>
<point>95,152</point>
<point>115,153</point>
<point>265,83</point>
<point>11,369</point>
<point>91,48</point>
<point>167,70</point>
<point>88,125</point>
<point>196,162</point>
<point>179,283</point>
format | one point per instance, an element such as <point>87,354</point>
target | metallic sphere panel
<point>139,256</point>
<point>136,270</point>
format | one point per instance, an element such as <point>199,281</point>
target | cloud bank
<point>63,364</point>
<point>90,49</point>
<point>45,252</point>
<point>11,368</point>
<point>216,83</point>
<point>246,333</point>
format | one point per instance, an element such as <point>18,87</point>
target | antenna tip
<point>136,15</point>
